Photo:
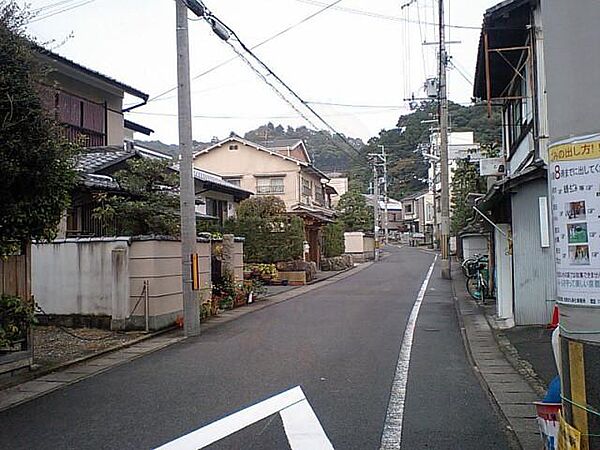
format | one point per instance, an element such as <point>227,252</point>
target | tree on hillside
<point>407,168</point>
<point>465,180</point>
<point>148,203</point>
<point>329,152</point>
<point>353,212</point>
<point>36,164</point>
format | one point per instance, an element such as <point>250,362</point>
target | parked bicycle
<point>477,272</point>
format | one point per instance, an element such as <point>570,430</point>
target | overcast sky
<point>358,53</point>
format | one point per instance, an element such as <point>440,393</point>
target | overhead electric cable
<point>225,33</point>
<point>269,39</point>
<point>52,14</point>
<point>383,16</point>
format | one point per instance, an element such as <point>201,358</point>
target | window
<point>216,208</point>
<point>269,185</point>
<point>84,121</point>
<point>306,187</point>
<point>237,181</point>
<point>233,147</point>
<point>319,198</point>
<point>408,208</point>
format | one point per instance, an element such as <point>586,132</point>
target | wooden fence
<point>15,279</point>
<point>15,275</point>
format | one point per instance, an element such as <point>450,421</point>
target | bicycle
<point>477,278</point>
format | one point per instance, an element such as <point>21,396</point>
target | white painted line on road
<point>302,428</point>
<point>392,429</point>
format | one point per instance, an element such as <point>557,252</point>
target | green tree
<point>353,212</point>
<point>261,206</point>
<point>36,164</point>
<point>148,203</point>
<point>465,180</point>
<point>270,234</point>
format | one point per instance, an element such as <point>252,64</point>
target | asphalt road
<point>340,343</point>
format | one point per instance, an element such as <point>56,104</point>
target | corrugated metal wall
<point>533,267</point>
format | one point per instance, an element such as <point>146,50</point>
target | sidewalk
<point>509,388</point>
<point>79,370</point>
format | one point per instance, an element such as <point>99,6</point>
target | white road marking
<point>302,427</point>
<point>392,429</point>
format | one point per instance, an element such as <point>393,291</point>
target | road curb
<point>509,392</point>
<point>82,359</point>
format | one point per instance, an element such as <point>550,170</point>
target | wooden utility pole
<point>376,208</point>
<point>444,175</point>
<point>187,195</point>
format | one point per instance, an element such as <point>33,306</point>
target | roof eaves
<point>92,73</point>
<point>249,144</point>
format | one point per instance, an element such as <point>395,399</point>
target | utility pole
<point>445,196</point>
<point>191,310</point>
<point>385,195</point>
<point>376,208</point>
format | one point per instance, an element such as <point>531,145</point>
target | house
<point>510,75</point>
<point>280,168</point>
<point>395,222</point>
<point>461,146</point>
<point>216,198</point>
<point>339,182</point>
<point>418,216</point>
<point>88,104</point>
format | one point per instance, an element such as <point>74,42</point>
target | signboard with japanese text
<point>575,194</point>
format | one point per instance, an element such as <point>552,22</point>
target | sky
<point>359,52</point>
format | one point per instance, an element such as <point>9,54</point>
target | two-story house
<point>510,75</point>
<point>90,108</point>
<point>281,168</point>
<point>87,103</point>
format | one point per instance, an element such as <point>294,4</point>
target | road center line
<point>392,429</point>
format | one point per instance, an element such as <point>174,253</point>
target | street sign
<point>492,167</point>
<point>301,425</point>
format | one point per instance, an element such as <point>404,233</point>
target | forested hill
<point>328,152</point>
<point>407,168</point>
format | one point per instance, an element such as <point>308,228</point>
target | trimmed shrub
<point>333,240</point>
<point>269,239</point>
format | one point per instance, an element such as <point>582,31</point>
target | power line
<point>384,16</point>
<point>43,17</point>
<point>346,105</point>
<point>225,33</point>
<point>269,39</point>
<point>226,117</point>
<point>51,5</point>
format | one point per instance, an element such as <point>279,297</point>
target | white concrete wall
<point>474,245</point>
<point>359,245</point>
<point>82,276</point>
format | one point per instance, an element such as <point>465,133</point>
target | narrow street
<point>340,343</point>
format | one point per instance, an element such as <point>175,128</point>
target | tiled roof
<point>282,143</point>
<point>61,59</point>
<point>101,157</point>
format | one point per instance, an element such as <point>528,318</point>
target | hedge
<point>269,240</point>
<point>333,240</point>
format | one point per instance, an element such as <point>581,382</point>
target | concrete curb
<point>511,393</point>
<point>88,366</point>
<point>66,364</point>
<point>512,355</point>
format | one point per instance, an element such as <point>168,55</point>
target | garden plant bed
<point>53,346</point>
